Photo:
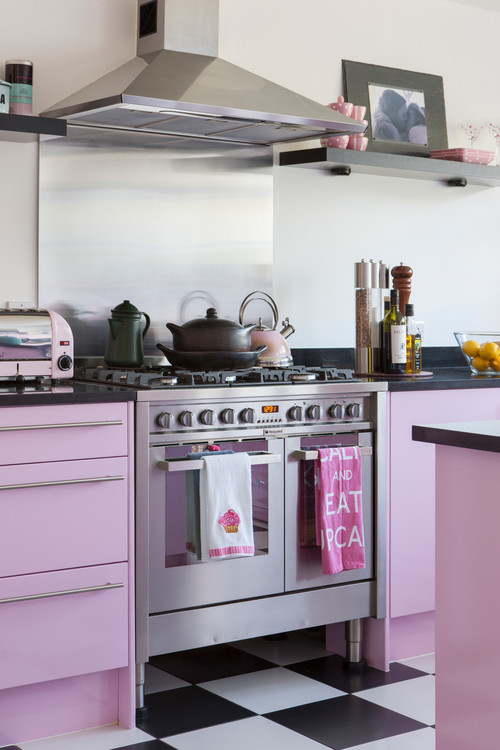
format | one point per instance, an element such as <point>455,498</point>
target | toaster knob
<point>186,418</point>
<point>207,417</point>
<point>163,420</point>
<point>65,362</point>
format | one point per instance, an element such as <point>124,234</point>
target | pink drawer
<point>58,433</point>
<point>61,624</point>
<point>63,515</point>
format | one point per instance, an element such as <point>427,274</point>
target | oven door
<point>181,575</point>
<point>303,568</point>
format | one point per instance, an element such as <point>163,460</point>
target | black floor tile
<point>209,663</point>
<point>344,722</point>
<point>331,671</point>
<point>186,709</point>
<point>148,745</point>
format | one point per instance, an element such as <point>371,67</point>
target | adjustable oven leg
<point>353,646</point>
<point>140,709</point>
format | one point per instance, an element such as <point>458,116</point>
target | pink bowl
<point>358,112</point>
<point>345,108</point>
<point>358,142</point>
<point>337,141</point>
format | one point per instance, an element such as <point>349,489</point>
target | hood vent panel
<point>198,95</point>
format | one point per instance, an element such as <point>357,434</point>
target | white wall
<point>322,224</point>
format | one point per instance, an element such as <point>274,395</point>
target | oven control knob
<point>227,416</point>
<point>296,413</point>
<point>207,417</point>
<point>164,420</point>
<point>248,415</point>
<point>314,412</point>
<point>353,410</point>
<point>186,418</point>
<point>335,411</point>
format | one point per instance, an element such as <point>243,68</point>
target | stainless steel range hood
<point>177,85</point>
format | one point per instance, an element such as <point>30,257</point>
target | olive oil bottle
<point>413,342</point>
<point>394,338</point>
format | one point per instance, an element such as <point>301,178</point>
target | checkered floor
<point>272,693</point>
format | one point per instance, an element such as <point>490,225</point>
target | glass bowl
<point>482,365</point>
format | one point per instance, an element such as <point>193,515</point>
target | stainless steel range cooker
<point>281,418</point>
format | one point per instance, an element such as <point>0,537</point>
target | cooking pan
<point>212,360</point>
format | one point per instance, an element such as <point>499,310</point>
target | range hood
<point>177,85</point>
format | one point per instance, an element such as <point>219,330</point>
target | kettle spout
<point>288,328</point>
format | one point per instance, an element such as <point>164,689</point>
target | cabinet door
<point>412,488</point>
<point>56,625</point>
<point>63,515</point>
<point>31,434</point>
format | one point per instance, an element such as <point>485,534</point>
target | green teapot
<point>125,336</point>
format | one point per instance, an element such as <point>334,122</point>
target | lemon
<point>470,348</point>
<point>489,350</point>
<point>480,363</point>
<point>495,364</point>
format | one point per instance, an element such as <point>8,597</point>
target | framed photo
<point>405,110</point>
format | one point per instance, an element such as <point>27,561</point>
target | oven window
<point>184,543</point>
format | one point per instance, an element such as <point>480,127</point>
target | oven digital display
<point>270,409</point>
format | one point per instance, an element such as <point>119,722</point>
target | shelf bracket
<point>457,182</point>
<point>343,170</point>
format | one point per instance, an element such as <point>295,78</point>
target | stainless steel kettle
<point>124,346</point>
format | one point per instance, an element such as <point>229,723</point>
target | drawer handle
<point>66,592</point>
<point>311,455</point>
<point>186,464</point>
<point>59,481</point>
<point>16,428</point>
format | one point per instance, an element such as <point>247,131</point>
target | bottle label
<point>398,345</point>
<point>418,353</point>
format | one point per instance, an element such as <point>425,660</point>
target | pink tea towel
<point>339,509</point>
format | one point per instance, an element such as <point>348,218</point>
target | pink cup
<point>345,108</point>
<point>337,141</point>
<point>358,112</point>
<point>357,142</point>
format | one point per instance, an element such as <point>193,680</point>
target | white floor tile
<point>246,734</point>
<point>271,690</point>
<point>422,739</point>
<point>157,680</point>
<point>100,738</point>
<point>414,698</point>
<point>426,663</point>
<point>294,648</point>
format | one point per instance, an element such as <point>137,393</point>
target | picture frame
<point>405,110</point>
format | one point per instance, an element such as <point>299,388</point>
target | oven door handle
<point>186,464</point>
<point>364,450</point>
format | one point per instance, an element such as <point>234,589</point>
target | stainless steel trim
<point>62,424</point>
<point>185,464</point>
<point>364,450</point>
<point>59,481</point>
<point>66,592</point>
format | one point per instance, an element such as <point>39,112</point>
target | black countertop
<point>70,392</point>
<point>480,435</point>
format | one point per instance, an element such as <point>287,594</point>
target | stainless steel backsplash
<point>173,226</point>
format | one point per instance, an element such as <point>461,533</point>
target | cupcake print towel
<point>226,500</point>
<point>339,509</point>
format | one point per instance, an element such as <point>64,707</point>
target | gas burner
<point>303,377</point>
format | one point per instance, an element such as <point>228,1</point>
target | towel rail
<point>365,450</point>
<point>186,464</point>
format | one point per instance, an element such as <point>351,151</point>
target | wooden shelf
<point>25,128</point>
<point>338,161</point>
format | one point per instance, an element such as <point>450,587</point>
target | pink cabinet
<point>66,568</point>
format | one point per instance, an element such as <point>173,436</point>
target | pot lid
<point>211,320</point>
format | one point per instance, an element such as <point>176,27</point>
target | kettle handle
<point>148,323</point>
<point>266,298</point>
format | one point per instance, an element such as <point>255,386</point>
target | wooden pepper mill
<point>402,280</point>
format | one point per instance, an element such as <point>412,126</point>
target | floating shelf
<point>338,161</point>
<point>25,128</point>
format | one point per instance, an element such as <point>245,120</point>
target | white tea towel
<point>226,495</point>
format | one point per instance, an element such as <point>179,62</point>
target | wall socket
<point>20,305</point>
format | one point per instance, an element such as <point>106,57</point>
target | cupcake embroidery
<point>230,521</point>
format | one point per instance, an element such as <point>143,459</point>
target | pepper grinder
<point>402,281</point>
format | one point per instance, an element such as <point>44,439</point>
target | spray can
<point>19,73</point>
